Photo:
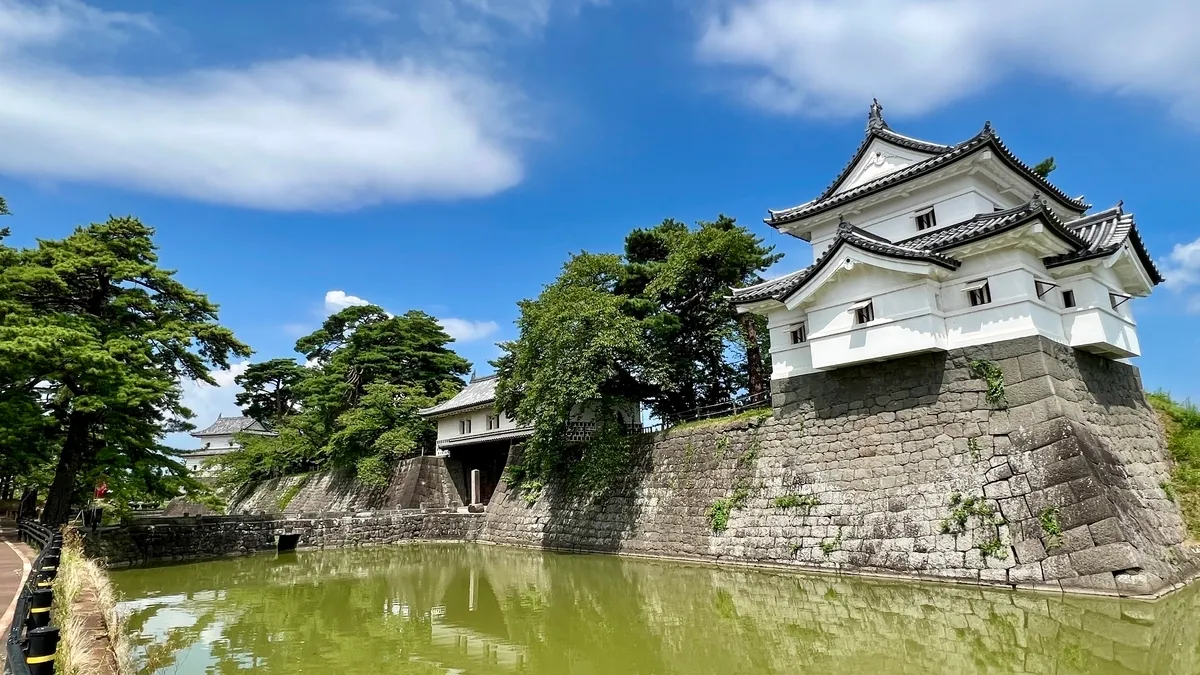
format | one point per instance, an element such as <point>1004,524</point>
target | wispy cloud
<point>290,134</point>
<point>462,330</point>
<point>830,57</point>
<point>1182,270</point>
<point>469,22</point>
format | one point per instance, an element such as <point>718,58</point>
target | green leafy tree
<point>269,389</point>
<point>358,405</point>
<point>687,275</point>
<point>1045,167</point>
<point>107,335</point>
<point>653,325</point>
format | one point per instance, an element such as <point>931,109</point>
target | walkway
<point>14,567</point>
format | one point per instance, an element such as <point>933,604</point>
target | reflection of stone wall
<point>164,539</point>
<point>415,483</point>
<point>337,611</point>
<point>883,449</point>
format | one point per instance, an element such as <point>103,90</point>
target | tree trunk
<point>754,360</point>
<point>75,450</point>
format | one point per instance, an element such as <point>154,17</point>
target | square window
<point>926,219</point>
<point>978,292</point>
<point>800,334</point>
<point>864,311</point>
<point>1068,299</point>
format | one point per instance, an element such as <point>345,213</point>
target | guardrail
<point>31,641</point>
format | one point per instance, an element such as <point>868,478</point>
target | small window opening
<point>800,334</point>
<point>1068,299</point>
<point>1043,287</point>
<point>864,311</point>
<point>979,292</point>
<point>926,219</point>
<point>464,426</point>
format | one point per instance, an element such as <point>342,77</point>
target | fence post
<point>40,601</point>
<point>43,643</point>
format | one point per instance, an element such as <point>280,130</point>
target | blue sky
<point>447,155</point>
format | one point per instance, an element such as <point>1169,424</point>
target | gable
<point>853,271</point>
<point>879,159</point>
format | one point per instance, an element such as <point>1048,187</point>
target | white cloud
<point>1182,271</point>
<point>469,21</point>
<point>463,330</point>
<point>206,401</point>
<point>830,57</point>
<point>336,301</point>
<point>291,134</point>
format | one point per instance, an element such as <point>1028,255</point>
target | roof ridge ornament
<point>1035,202</point>
<point>875,121</point>
<point>1121,206</point>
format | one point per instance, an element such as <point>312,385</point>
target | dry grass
<point>93,639</point>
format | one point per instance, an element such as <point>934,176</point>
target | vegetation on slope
<point>1182,423</point>
<point>355,405</point>
<point>93,640</point>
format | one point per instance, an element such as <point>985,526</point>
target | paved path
<point>14,567</point>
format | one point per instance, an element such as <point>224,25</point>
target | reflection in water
<point>428,609</point>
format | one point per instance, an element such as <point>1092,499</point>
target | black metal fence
<point>732,406</point>
<point>31,641</point>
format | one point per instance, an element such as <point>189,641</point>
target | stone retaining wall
<point>176,539</point>
<point>419,482</point>
<point>905,467</point>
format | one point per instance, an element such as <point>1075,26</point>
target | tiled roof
<point>986,138</point>
<point>225,426</point>
<point>877,127</point>
<point>1091,236</point>
<point>1103,233</point>
<point>780,288</point>
<point>481,391</point>
<point>987,224</point>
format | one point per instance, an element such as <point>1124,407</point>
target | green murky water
<point>428,609</point>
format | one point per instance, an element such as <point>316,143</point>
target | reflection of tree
<point>416,609</point>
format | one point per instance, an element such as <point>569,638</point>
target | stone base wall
<point>906,468</point>
<point>178,539</point>
<point>419,482</point>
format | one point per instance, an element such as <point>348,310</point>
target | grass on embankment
<point>756,414</point>
<point>1182,423</point>
<point>85,608</point>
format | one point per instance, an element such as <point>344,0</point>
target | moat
<point>426,609</point>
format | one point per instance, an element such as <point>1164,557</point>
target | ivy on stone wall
<point>991,373</point>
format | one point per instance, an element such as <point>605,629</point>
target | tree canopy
<point>96,337</point>
<point>356,405</point>
<point>269,389</point>
<point>652,325</point>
